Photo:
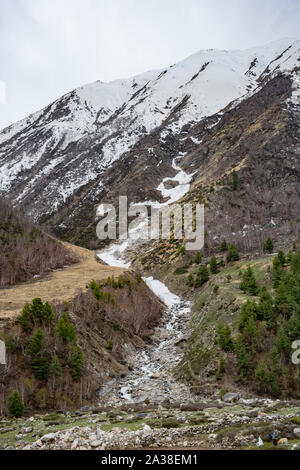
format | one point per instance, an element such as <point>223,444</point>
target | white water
<point>151,376</point>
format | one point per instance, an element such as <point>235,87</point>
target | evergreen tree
<point>77,363</point>
<point>244,364</point>
<point>37,309</point>
<point>265,309</point>
<point>269,245</point>
<point>35,343</point>
<point>190,281</point>
<point>36,312</point>
<point>213,265</point>
<point>55,367</point>
<point>14,405</point>
<point>262,376</point>
<point>277,272</point>
<point>287,298</point>
<point>10,343</point>
<point>233,253</point>
<point>295,265</point>
<point>40,366</point>
<point>251,333</point>
<point>202,276</point>
<point>225,340</point>
<point>281,258</point>
<point>249,283</point>
<point>66,330</point>
<point>293,329</point>
<point>198,258</point>
<point>282,341</point>
<point>25,318</point>
<point>48,314</point>
<point>224,246</point>
<point>248,310</point>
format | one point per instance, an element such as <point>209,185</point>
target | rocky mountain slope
<point>88,146</point>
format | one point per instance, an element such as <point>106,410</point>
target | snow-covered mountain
<point>77,151</point>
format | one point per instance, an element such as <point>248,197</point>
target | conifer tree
<point>213,265</point>
<point>15,405</point>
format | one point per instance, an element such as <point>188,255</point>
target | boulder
<point>296,431</point>
<point>230,397</point>
<point>49,437</point>
<point>96,444</point>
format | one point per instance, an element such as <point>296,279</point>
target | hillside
<point>61,352</point>
<point>25,250</point>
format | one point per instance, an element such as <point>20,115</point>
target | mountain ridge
<point>69,157</point>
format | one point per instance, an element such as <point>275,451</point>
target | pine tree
<point>213,265</point>
<point>14,405</point>
<point>198,258</point>
<point>269,245</point>
<point>265,309</point>
<point>224,245</point>
<point>190,281</point>
<point>244,364</point>
<point>10,343</point>
<point>262,376</point>
<point>55,367</point>
<point>281,258</point>
<point>202,276</point>
<point>233,253</point>
<point>293,329</point>
<point>277,272</point>
<point>40,366</point>
<point>35,343</point>
<point>25,319</point>
<point>225,340</point>
<point>48,314</point>
<point>37,309</point>
<point>248,310</point>
<point>295,265</point>
<point>282,341</point>
<point>77,363</point>
<point>249,283</point>
<point>251,333</point>
<point>66,330</point>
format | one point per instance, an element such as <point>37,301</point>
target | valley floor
<point>246,424</point>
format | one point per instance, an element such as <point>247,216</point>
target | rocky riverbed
<point>206,425</point>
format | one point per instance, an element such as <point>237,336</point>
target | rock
<point>49,437</point>
<point>296,431</point>
<point>283,442</point>
<point>230,397</point>
<point>96,444</point>
<point>27,430</point>
<point>75,444</point>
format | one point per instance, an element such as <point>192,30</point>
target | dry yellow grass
<point>58,285</point>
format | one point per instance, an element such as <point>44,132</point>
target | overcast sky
<point>48,47</point>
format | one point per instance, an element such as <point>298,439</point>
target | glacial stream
<point>151,376</point>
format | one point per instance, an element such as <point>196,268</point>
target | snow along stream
<point>151,376</point>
